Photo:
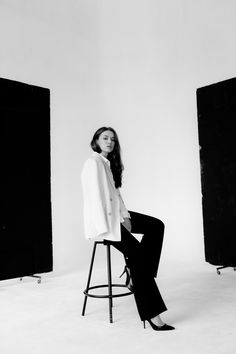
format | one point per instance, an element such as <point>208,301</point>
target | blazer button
<point>109,213</point>
<point>110,199</point>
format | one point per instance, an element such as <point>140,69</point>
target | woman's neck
<point>104,154</point>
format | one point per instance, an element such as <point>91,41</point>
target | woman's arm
<point>123,210</point>
<point>127,224</point>
<point>93,195</point>
<point>125,216</point>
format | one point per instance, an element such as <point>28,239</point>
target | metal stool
<point>110,295</point>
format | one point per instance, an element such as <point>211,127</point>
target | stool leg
<point>89,277</point>
<point>109,282</point>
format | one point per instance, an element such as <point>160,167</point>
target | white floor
<point>46,318</point>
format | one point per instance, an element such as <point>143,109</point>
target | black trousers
<point>143,258</point>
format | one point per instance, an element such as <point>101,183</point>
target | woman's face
<point>106,142</point>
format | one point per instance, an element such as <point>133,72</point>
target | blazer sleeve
<point>94,196</point>
<point>123,210</point>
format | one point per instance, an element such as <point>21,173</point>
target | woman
<point>106,218</point>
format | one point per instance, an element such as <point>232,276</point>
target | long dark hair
<point>114,157</point>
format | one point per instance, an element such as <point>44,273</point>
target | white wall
<point>134,65</point>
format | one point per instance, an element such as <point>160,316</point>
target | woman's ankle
<point>157,320</point>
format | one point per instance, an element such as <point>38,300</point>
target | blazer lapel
<point>109,173</point>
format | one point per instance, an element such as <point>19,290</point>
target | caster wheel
<point>234,268</point>
<point>39,281</point>
<point>218,272</point>
<point>21,279</point>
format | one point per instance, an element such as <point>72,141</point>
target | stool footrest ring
<point>86,292</point>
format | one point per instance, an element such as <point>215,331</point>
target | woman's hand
<point>127,224</point>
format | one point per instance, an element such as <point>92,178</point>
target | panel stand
<point>33,276</point>
<point>218,271</point>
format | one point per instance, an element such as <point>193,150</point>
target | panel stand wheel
<point>218,271</point>
<point>38,277</point>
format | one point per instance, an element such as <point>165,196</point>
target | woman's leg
<point>148,298</point>
<point>151,243</point>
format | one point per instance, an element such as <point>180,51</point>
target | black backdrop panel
<point>217,127</point>
<point>26,232</point>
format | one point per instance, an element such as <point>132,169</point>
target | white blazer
<point>104,208</point>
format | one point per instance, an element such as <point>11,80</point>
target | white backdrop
<point>134,65</point>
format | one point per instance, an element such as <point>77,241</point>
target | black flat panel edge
<point>217,83</point>
<point>24,95</point>
<point>221,94</point>
<point>22,83</point>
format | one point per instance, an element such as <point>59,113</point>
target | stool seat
<point>109,295</point>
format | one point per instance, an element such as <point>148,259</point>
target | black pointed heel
<point>165,327</point>
<point>128,281</point>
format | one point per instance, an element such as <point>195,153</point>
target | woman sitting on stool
<point>106,218</point>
